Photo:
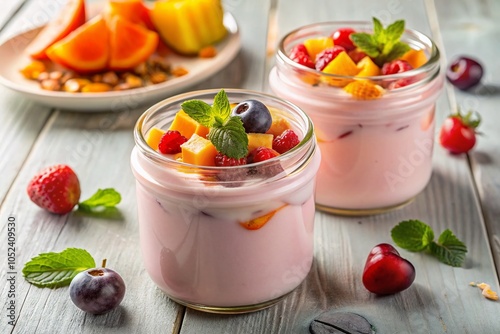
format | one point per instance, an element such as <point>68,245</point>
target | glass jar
<point>376,153</point>
<point>226,239</point>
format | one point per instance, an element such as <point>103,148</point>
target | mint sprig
<point>383,45</point>
<point>54,270</point>
<point>102,199</point>
<point>226,133</point>
<point>416,236</point>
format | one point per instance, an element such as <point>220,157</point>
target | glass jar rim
<point>150,153</point>
<point>430,66</point>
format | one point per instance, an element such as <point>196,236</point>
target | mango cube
<point>367,68</point>
<point>279,123</point>
<point>315,45</point>
<point>198,151</point>
<point>154,137</point>
<point>259,139</point>
<point>341,65</point>
<point>188,126</point>
<point>415,58</point>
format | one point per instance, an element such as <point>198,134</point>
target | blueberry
<point>255,116</point>
<point>97,290</point>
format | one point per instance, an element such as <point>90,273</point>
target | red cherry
<point>458,132</point>
<point>342,38</point>
<point>464,72</point>
<point>386,272</point>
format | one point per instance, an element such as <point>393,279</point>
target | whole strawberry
<point>55,189</point>
<point>458,132</point>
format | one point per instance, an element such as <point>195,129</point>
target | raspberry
<point>300,55</point>
<point>285,141</point>
<point>326,56</point>
<point>261,154</point>
<point>396,66</point>
<point>222,160</point>
<point>171,142</point>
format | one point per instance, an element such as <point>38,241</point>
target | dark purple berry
<point>464,73</point>
<point>255,116</point>
<point>97,290</point>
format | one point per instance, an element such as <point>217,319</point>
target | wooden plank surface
<point>440,301</point>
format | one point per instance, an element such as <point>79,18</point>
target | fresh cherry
<point>464,72</point>
<point>342,38</point>
<point>386,272</point>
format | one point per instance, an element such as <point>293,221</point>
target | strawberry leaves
<point>383,45</point>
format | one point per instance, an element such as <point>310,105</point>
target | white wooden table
<point>463,195</point>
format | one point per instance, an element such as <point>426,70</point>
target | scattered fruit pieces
<point>32,70</point>
<point>207,52</point>
<point>486,290</point>
<point>259,140</point>
<point>464,72</point>
<point>367,68</point>
<point>316,45</point>
<point>187,125</point>
<point>154,137</point>
<point>279,123</point>
<point>55,189</point>
<point>259,222</point>
<point>187,26</point>
<point>415,58</point>
<point>70,17</point>
<point>255,116</point>
<point>326,56</point>
<point>171,141</point>
<point>386,272</point>
<point>97,290</point>
<point>285,141</point>
<point>458,132</point>
<point>364,90</point>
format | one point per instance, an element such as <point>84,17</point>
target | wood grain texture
<point>471,28</point>
<point>8,9</point>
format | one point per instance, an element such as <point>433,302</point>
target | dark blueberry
<point>255,116</point>
<point>97,290</point>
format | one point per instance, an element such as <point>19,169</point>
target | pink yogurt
<point>376,154</point>
<point>194,240</point>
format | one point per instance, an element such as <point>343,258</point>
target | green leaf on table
<point>412,235</point>
<point>449,249</point>
<point>53,270</point>
<point>103,198</point>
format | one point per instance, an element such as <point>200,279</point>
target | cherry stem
<point>104,263</point>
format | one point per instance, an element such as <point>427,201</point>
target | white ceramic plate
<point>13,58</point>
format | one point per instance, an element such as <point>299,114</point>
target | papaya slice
<point>130,44</point>
<point>71,16</point>
<point>84,50</point>
<point>134,11</point>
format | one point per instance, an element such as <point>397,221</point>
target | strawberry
<point>55,189</point>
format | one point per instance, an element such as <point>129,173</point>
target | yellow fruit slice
<point>154,137</point>
<point>257,223</point>
<point>341,65</point>
<point>279,123</point>
<point>188,126</point>
<point>364,90</point>
<point>259,139</point>
<point>415,58</point>
<point>316,45</point>
<point>367,68</point>
<point>187,26</point>
<point>198,151</point>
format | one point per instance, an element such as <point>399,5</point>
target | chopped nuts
<point>155,70</point>
<point>207,52</point>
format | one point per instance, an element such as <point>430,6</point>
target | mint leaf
<point>230,139</point>
<point>384,45</point>
<point>221,108</point>
<point>53,270</point>
<point>200,111</point>
<point>412,235</point>
<point>449,249</point>
<point>103,198</point>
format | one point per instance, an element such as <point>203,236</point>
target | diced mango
<point>367,68</point>
<point>279,123</point>
<point>341,65</point>
<point>415,58</point>
<point>316,45</point>
<point>364,90</point>
<point>198,151</point>
<point>154,137</point>
<point>257,223</point>
<point>188,126</point>
<point>259,139</point>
